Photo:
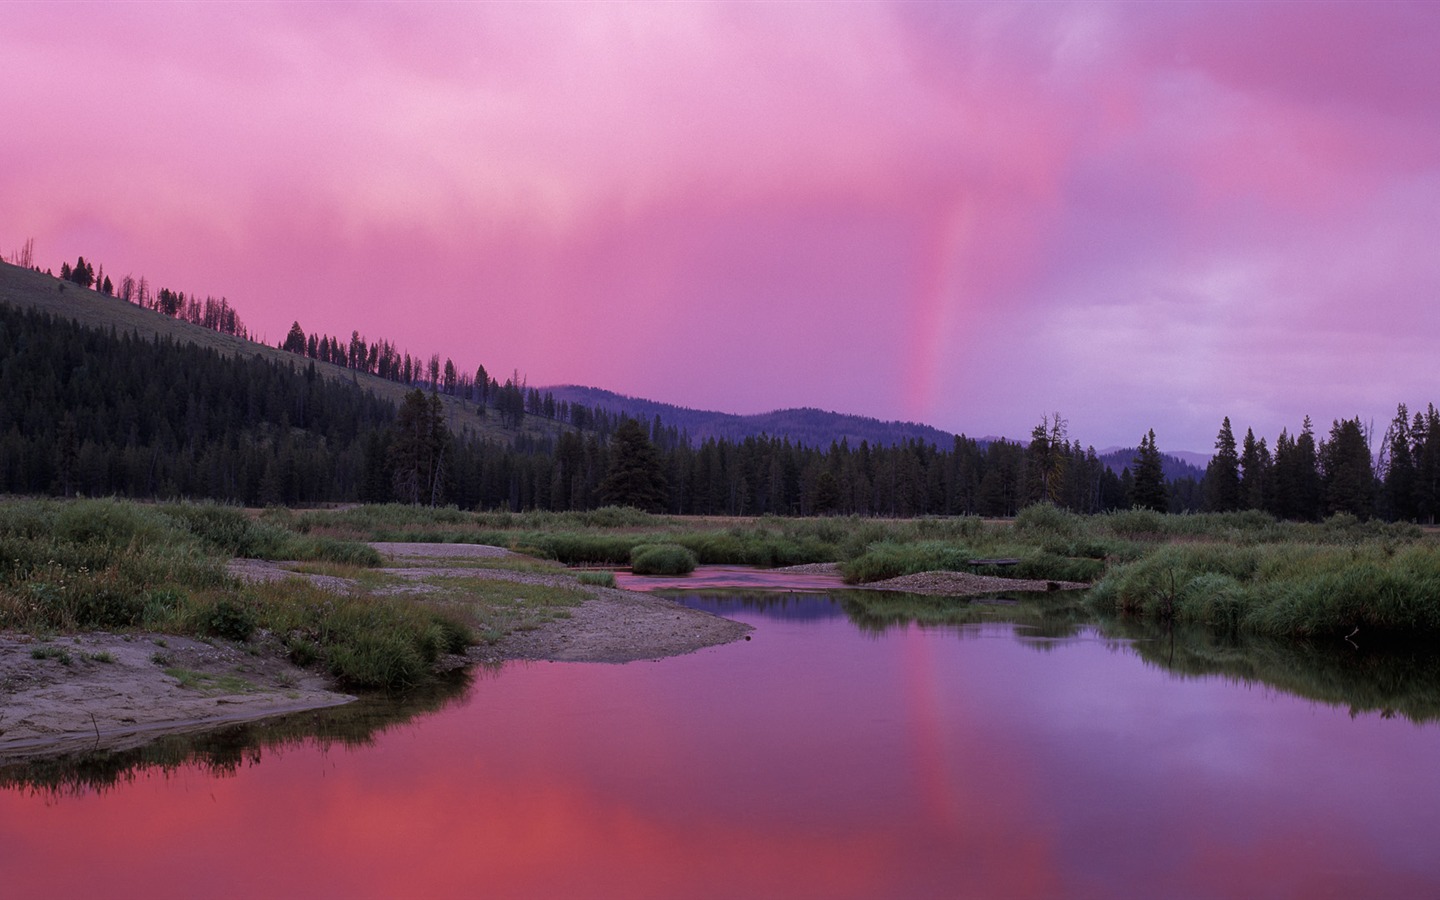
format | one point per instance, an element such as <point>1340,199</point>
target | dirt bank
<point>113,691</point>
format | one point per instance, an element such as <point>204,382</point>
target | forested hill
<point>23,288</point>
<point>808,426</point>
<point>1172,465</point>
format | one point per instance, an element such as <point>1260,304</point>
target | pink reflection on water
<point>735,577</point>
<point>812,761</point>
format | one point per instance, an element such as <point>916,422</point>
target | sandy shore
<point>114,691</point>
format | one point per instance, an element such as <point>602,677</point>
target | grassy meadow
<point>1232,572</point>
<point>110,564</point>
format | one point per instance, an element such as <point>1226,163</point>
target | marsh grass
<point>67,566</point>
<point>598,578</point>
<point>1294,590</point>
<point>208,683</point>
<point>51,652</point>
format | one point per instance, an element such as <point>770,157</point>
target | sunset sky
<point>970,215</point>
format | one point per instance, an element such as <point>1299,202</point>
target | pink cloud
<point>965,214</point>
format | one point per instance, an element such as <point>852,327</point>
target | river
<point>835,754</point>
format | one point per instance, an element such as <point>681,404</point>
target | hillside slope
<point>27,289</point>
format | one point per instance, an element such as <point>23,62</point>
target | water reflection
<point>771,605</point>
<point>224,751</point>
<point>1059,614</point>
<point>906,760</point>
<point>1389,679</point>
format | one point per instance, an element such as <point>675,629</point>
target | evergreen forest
<point>100,412</point>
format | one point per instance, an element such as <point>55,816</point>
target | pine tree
<point>1256,474</point>
<point>419,442</point>
<point>1222,475</point>
<point>1308,473</point>
<point>1401,478</point>
<point>1046,460</point>
<point>1425,441</point>
<point>294,340</point>
<point>1149,489</point>
<point>635,476</point>
<point>1348,477</point>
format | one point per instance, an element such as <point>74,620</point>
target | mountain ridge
<point>806,424</point>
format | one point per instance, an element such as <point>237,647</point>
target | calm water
<point>818,759</point>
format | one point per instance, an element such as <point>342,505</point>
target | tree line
<point>157,418</point>
<point>213,313</point>
<point>99,413</point>
<point>1309,478</point>
<point>95,412</point>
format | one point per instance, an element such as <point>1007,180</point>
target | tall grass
<point>1284,589</point>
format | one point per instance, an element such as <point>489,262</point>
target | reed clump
<point>662,559</point>
<point>601,578</point>
<point>1296,590</point>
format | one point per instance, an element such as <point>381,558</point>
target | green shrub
<point>230,619</point>
<point>888,559</point>
<point>662,559</point>
<point>229,530</point>
<point>103,603</point>
<point>302,650</point>
<point>1046,519</point>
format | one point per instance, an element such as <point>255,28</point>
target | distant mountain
<point>809,426</point>
<point>1177,465</point>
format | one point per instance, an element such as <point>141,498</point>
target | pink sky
<point>1141,215</point>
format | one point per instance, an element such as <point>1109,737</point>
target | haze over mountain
<point>807,425</point>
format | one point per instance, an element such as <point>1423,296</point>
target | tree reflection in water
<point>226,750</point>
